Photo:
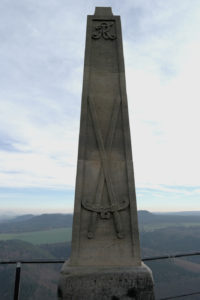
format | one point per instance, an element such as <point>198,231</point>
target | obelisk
<point>105,260</point>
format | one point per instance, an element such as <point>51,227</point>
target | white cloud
<point>163,97</point>
<point>41,61</point>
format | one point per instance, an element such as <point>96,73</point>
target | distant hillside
<point>150,221</point>
<point>21,218</point>
<point>5,218</point>
<point>9,219</point>
<point>170,240</point>
<point>38,282</point>
<point>181,213</point>
<point>17,250</point>
<point>147,222</point>
<point>29,223</point>
<point>173,276</point>
<point>148,217</point>
<point>58,250</point>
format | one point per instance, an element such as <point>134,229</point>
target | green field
<point>41,237</point>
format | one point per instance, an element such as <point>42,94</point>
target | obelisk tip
<point>103,11</point>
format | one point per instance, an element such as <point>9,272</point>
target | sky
<point>41,72</point>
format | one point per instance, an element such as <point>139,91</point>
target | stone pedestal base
<point>90,283</point>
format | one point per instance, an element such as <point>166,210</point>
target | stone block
<point>105,283</point>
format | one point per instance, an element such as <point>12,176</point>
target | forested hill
<point>147,221</point>
<point>36,223</point>
<point>38,282</point>
<point>51,239</point>
<point>146,217</point>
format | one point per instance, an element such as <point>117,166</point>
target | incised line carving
<point>103,30</point>
<point>104,177</point>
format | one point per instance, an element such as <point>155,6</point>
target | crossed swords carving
<point>104,177</point>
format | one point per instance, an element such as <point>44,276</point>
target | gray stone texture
<point>105,235</point>
<point>105,227</point>
<point>106,284</point>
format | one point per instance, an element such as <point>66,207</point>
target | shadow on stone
<point>59,292</point>
<point>132,292</point>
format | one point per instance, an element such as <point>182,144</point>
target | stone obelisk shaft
<point>105,239</point>
<point>105,229</point>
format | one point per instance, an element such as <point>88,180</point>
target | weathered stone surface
<point>106,284</point>
<point>105,260</point>
<point>105,227</point>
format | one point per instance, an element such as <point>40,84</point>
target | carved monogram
<point>103,30</point>
<point>115,204</point>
